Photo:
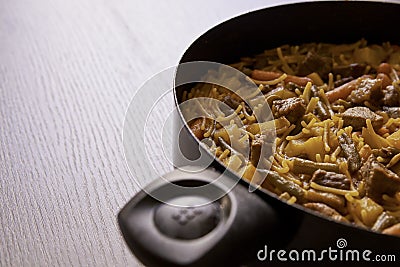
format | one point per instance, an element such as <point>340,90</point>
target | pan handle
<point>228,231</point>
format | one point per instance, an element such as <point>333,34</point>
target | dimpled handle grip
<point>187,223</point>
<point>227,232</point>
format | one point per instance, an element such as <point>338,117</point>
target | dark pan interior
<point>320,21</point>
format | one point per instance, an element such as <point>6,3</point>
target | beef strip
<point>384,221</point>
<point>195,126</point>
<point>350,151</point>
<point>354,70</point>
<point>367,90</point>
<point>314,62</point>
<point>357,116</point>
<point>331,179</point>
<point>385,152</point>
<point>321,109</point>
<point>393,112</point>
<point>261,146</point>
<point>391,96</point>
<point>233,101</point>
<point>292,108</point>
<point>379,180</point>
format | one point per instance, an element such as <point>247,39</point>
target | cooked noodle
<point>337,118</point>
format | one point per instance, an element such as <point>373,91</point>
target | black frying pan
<point>232,230</point>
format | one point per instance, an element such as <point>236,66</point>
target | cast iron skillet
<point>233,229</point>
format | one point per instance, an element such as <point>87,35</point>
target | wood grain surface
<point>68,69</point>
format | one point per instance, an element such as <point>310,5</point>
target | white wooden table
<point>68,69</point>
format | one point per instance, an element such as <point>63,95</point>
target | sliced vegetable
<point>278,124</point>
<point>372,55</point>
<point>281,93</point>
<point>286,185</point>
<point>394,139</point>
<point>309,167</point>
<point>371,138</point>
<point>310,147</point>
<point>335,201</point>
<point>367,210</point>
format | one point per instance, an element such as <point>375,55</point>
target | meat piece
<point>326,210</point>
<point>367,89</point>
<point>321,109</point>
<point>255,151</point>
<point>393,112</point>
<point>350,151</point>
<point>391,97</point>
<point>384,221</point>
<point>379,180</point>
<point>354,70</point>
<point>196,127</point>
<point>291,108</point>
<point>261,145</point>
<point>315,63</point>
<point>234,101</point>
<point>385,152</point>
<point>357,116</point>
<point>331,179</point>
<point>231,101</point>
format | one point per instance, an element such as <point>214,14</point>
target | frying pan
<point>233,229</point>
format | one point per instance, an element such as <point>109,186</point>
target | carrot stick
<point>341,92</point>
<point>271,75</point>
